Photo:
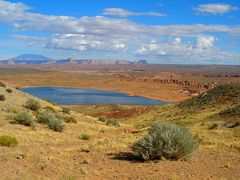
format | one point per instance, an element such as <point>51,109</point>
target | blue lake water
<point>61,95</point>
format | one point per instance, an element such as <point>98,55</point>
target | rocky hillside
<point>222,95</point>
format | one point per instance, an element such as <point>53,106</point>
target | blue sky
<point>160,31</point>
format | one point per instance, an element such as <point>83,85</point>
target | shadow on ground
<point>125,156</point>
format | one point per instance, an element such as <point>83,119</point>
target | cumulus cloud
<point>116,35</point>
<point>215,8</point>
<point>17,14</point>
<point>124,13</point>
<point>177,41</point>
<point>202,51</point>
<point>85,43</point>
<point>205,42</point>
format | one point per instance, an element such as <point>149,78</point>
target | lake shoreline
<point>63,96</point>
<point>130,93</point>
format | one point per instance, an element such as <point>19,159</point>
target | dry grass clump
<point>112,122</point>
<point>108,122</point>
<point>166,140</point>
<point>33,105</point>
<point>8,141</point>
<point>50,109</point>
<point>69,119</point>
<point>102,119</point>
<point>66,110</point>
<point>85,137</point>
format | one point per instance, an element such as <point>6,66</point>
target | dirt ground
<point>48,155</point>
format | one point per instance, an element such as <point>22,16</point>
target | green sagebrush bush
<point>33,105</point>
<point>44,117</point>
<point>24,118</point>
<point>8,141</point>
<point>54,123</point>
<point>166,140</point>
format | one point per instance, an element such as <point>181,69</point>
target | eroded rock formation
<point>191,87</point>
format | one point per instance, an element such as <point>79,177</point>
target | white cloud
<point>205,42</point>
<point>177,41</point>
<point>117,35</point>
<point>215,8</point>
<point>85,43</point>
<point>202,51</point>
<point>124,13</point>
<point>16,14</point>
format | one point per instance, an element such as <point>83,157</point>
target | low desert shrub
<point>8,141</point>
<point>43,117</point>
<point>2,97</point>
<point>112,122</point>
<point>85,137</point>
<point>56,124</point>
<point>102,119</point>
<point>9,90</point>
<point>33,105</point>
<point>53,121</point>
<point>2,84</point>
<point>66,110</point>
<point>23,118</point>
<point>69,119</point>
<point>166,140</point>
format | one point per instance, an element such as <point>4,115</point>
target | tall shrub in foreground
<point>166,140</point>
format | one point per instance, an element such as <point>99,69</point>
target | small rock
<point>85,162</point>
<point>19,157</point>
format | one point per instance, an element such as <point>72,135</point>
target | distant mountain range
<point>39,59</point>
